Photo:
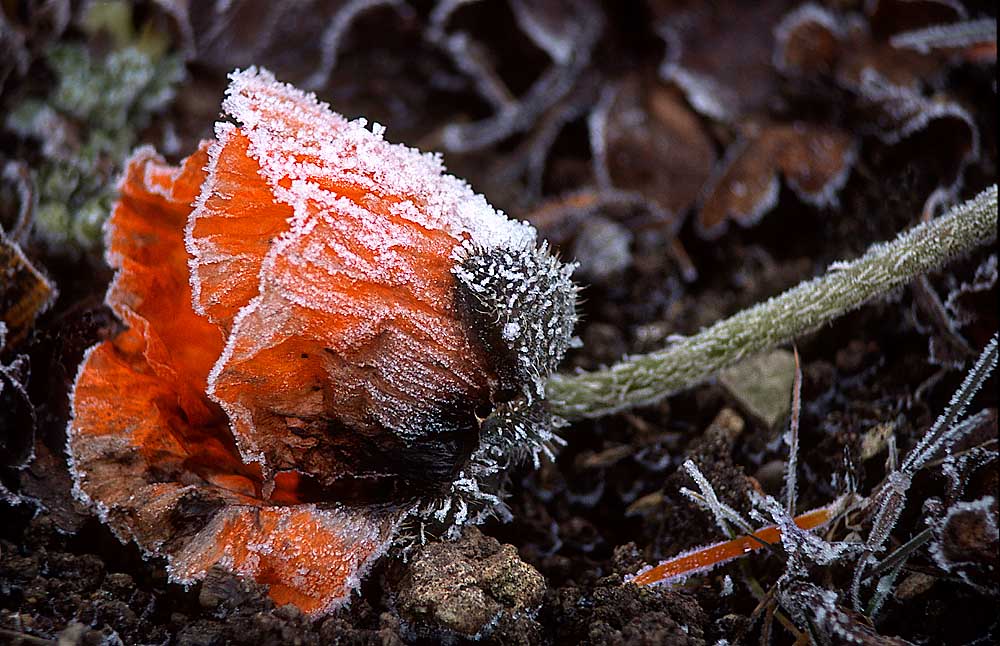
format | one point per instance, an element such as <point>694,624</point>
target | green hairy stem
<point>644,379</point>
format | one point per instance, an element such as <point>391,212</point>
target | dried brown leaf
<point>647,140</point>
<point>297,41</point>
<point>702,39</point>
<point>24,291</point>
<point>815,160</point>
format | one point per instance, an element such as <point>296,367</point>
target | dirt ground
<point>648,171</point>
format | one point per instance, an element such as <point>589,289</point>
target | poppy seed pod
<point>329,345</point>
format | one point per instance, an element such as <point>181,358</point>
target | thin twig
<point>761,596</point>
<point>16,638</point>
<point>944,428</point>
<point>902,553</point>
<point>791,470</point>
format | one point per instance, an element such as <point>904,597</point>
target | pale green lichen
<point>89,122</point>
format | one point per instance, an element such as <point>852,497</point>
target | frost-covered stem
<point>708,495</point>
<point>846,286</point>
<point>902,553</point>
<point>946,425</point>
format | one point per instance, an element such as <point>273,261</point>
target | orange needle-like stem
<point>981,52</point>
<point>704,558</point>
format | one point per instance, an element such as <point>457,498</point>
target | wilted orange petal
<point>310,557</point>
<point>231,229</point>
<point>336,335</point>
<point>815,161</point>
<point>183,492</point>
<point>324,256</point>
<point>134,451</point>
<point>151,292</point>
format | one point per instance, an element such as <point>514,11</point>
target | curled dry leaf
<point>566,31</point>
<point>972,40</point>
<point>17,417</point>
<point>966,541</point>
<point>701,39</point>
<point>887,81</point>
<point>968,309</point>
<point>311,350</point>
<point>236,34</point>
<point>24,291</point>
<point>645,139</point>
<point>815,161</point>
<point>971,303</point>
<point>895,16</point>
<point>813,39</point>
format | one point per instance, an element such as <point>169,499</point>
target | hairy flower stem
<point>846,286</point>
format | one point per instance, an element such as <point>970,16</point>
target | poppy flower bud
<point>327,339</point>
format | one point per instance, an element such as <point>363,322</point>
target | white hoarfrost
<point>322,199</point>
<point>519,289</point>
<point>302,147</point>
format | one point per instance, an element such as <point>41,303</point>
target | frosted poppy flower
<point>329,345</point>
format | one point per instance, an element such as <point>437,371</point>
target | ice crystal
<point>316,163</point>
<point>802,548</point>
<point>792,440</point>
<point>960,468</point>
<point>523,303</point>
<point>518,297</point>
<point>811,605</point>
<point>947,429</point>
<point>723,513</point>
<point>513,432</point>
<point>984,280</point>
<point>817,608</point>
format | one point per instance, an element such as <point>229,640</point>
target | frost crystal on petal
<point>301,370</point>
<point>304,225</point>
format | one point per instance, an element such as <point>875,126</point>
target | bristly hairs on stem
<point>885,267</point>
